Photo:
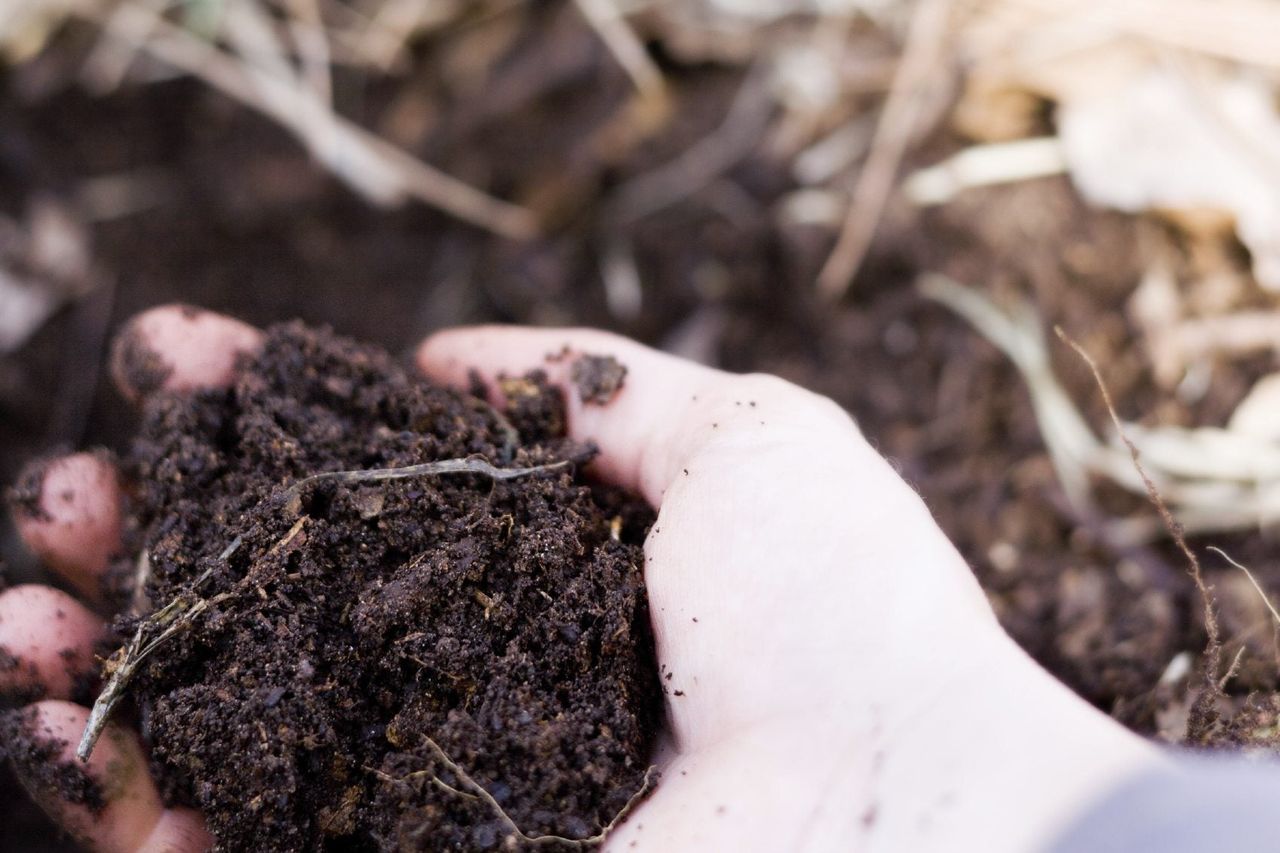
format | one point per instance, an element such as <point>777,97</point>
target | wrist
<point>1003,757</point>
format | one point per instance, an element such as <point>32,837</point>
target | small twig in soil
<point>479,792</point>
<point>174,616</point>
<point>1214,647</point>
<point>1261,592</point>
<point>472,465</point>
<point>232,548</point>
<point>1275,614</point>
<point>288,537</point>
<point>1231,670</point>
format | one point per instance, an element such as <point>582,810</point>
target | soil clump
<point>406,621</point>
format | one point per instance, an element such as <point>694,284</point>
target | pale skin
<point>842,682</point>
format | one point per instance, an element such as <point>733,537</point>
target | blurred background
<point>892,202</point>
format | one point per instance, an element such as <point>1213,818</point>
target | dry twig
<point>606,18</point>
<point>366,161</point>
<point>1214,646</point>
<point>172,618</point>
<point>916,69</point>
<point>472,465</point>
<point>1257,586</point>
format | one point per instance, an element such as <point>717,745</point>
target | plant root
<point>1204,715</point>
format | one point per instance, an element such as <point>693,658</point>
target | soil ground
<point>364,640</point>
<point>248,225</point>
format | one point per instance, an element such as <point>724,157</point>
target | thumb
<point>779,527</point>
<point>665,412</point>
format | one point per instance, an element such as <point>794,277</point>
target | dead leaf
<point>1161,139</point>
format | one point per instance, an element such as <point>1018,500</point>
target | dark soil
<point>9,663</point>
<point>24,496</point>
<point>372,650</point>
<point>36,754</point>
<point>136,366</point>
<point>597,377</point>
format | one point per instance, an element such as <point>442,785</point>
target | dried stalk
<point>1275,614</point>
<point>472,465</point>
<point>380,170</point>
<point>174,616</point>
<point>1213,648</point>
<point>917,72</point>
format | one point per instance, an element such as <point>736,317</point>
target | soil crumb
<point>136,366</point>
<point>38,759</point>
<point>372,650</point>
<point>24,497</point>
<point>15,671</point>
<point>598,378</point>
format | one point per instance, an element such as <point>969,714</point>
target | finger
<point>640,431</point>
<point>47,640</point>
<point>68,512</point>
<point>179,348</point>
<point>109,803</point>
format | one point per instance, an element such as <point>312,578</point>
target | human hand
<point>68,513</point>
<point>837,679</point>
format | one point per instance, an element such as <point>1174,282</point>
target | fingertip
<point>450,355</point>
<point>67,510</point>
<point>432,353</point>
<point>109,802</point>
<point>636,416</point>
<point>179,348</point>
<point>47,640</point>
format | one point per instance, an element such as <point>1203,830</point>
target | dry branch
<point>372,165</point>
<point>917,71</point>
